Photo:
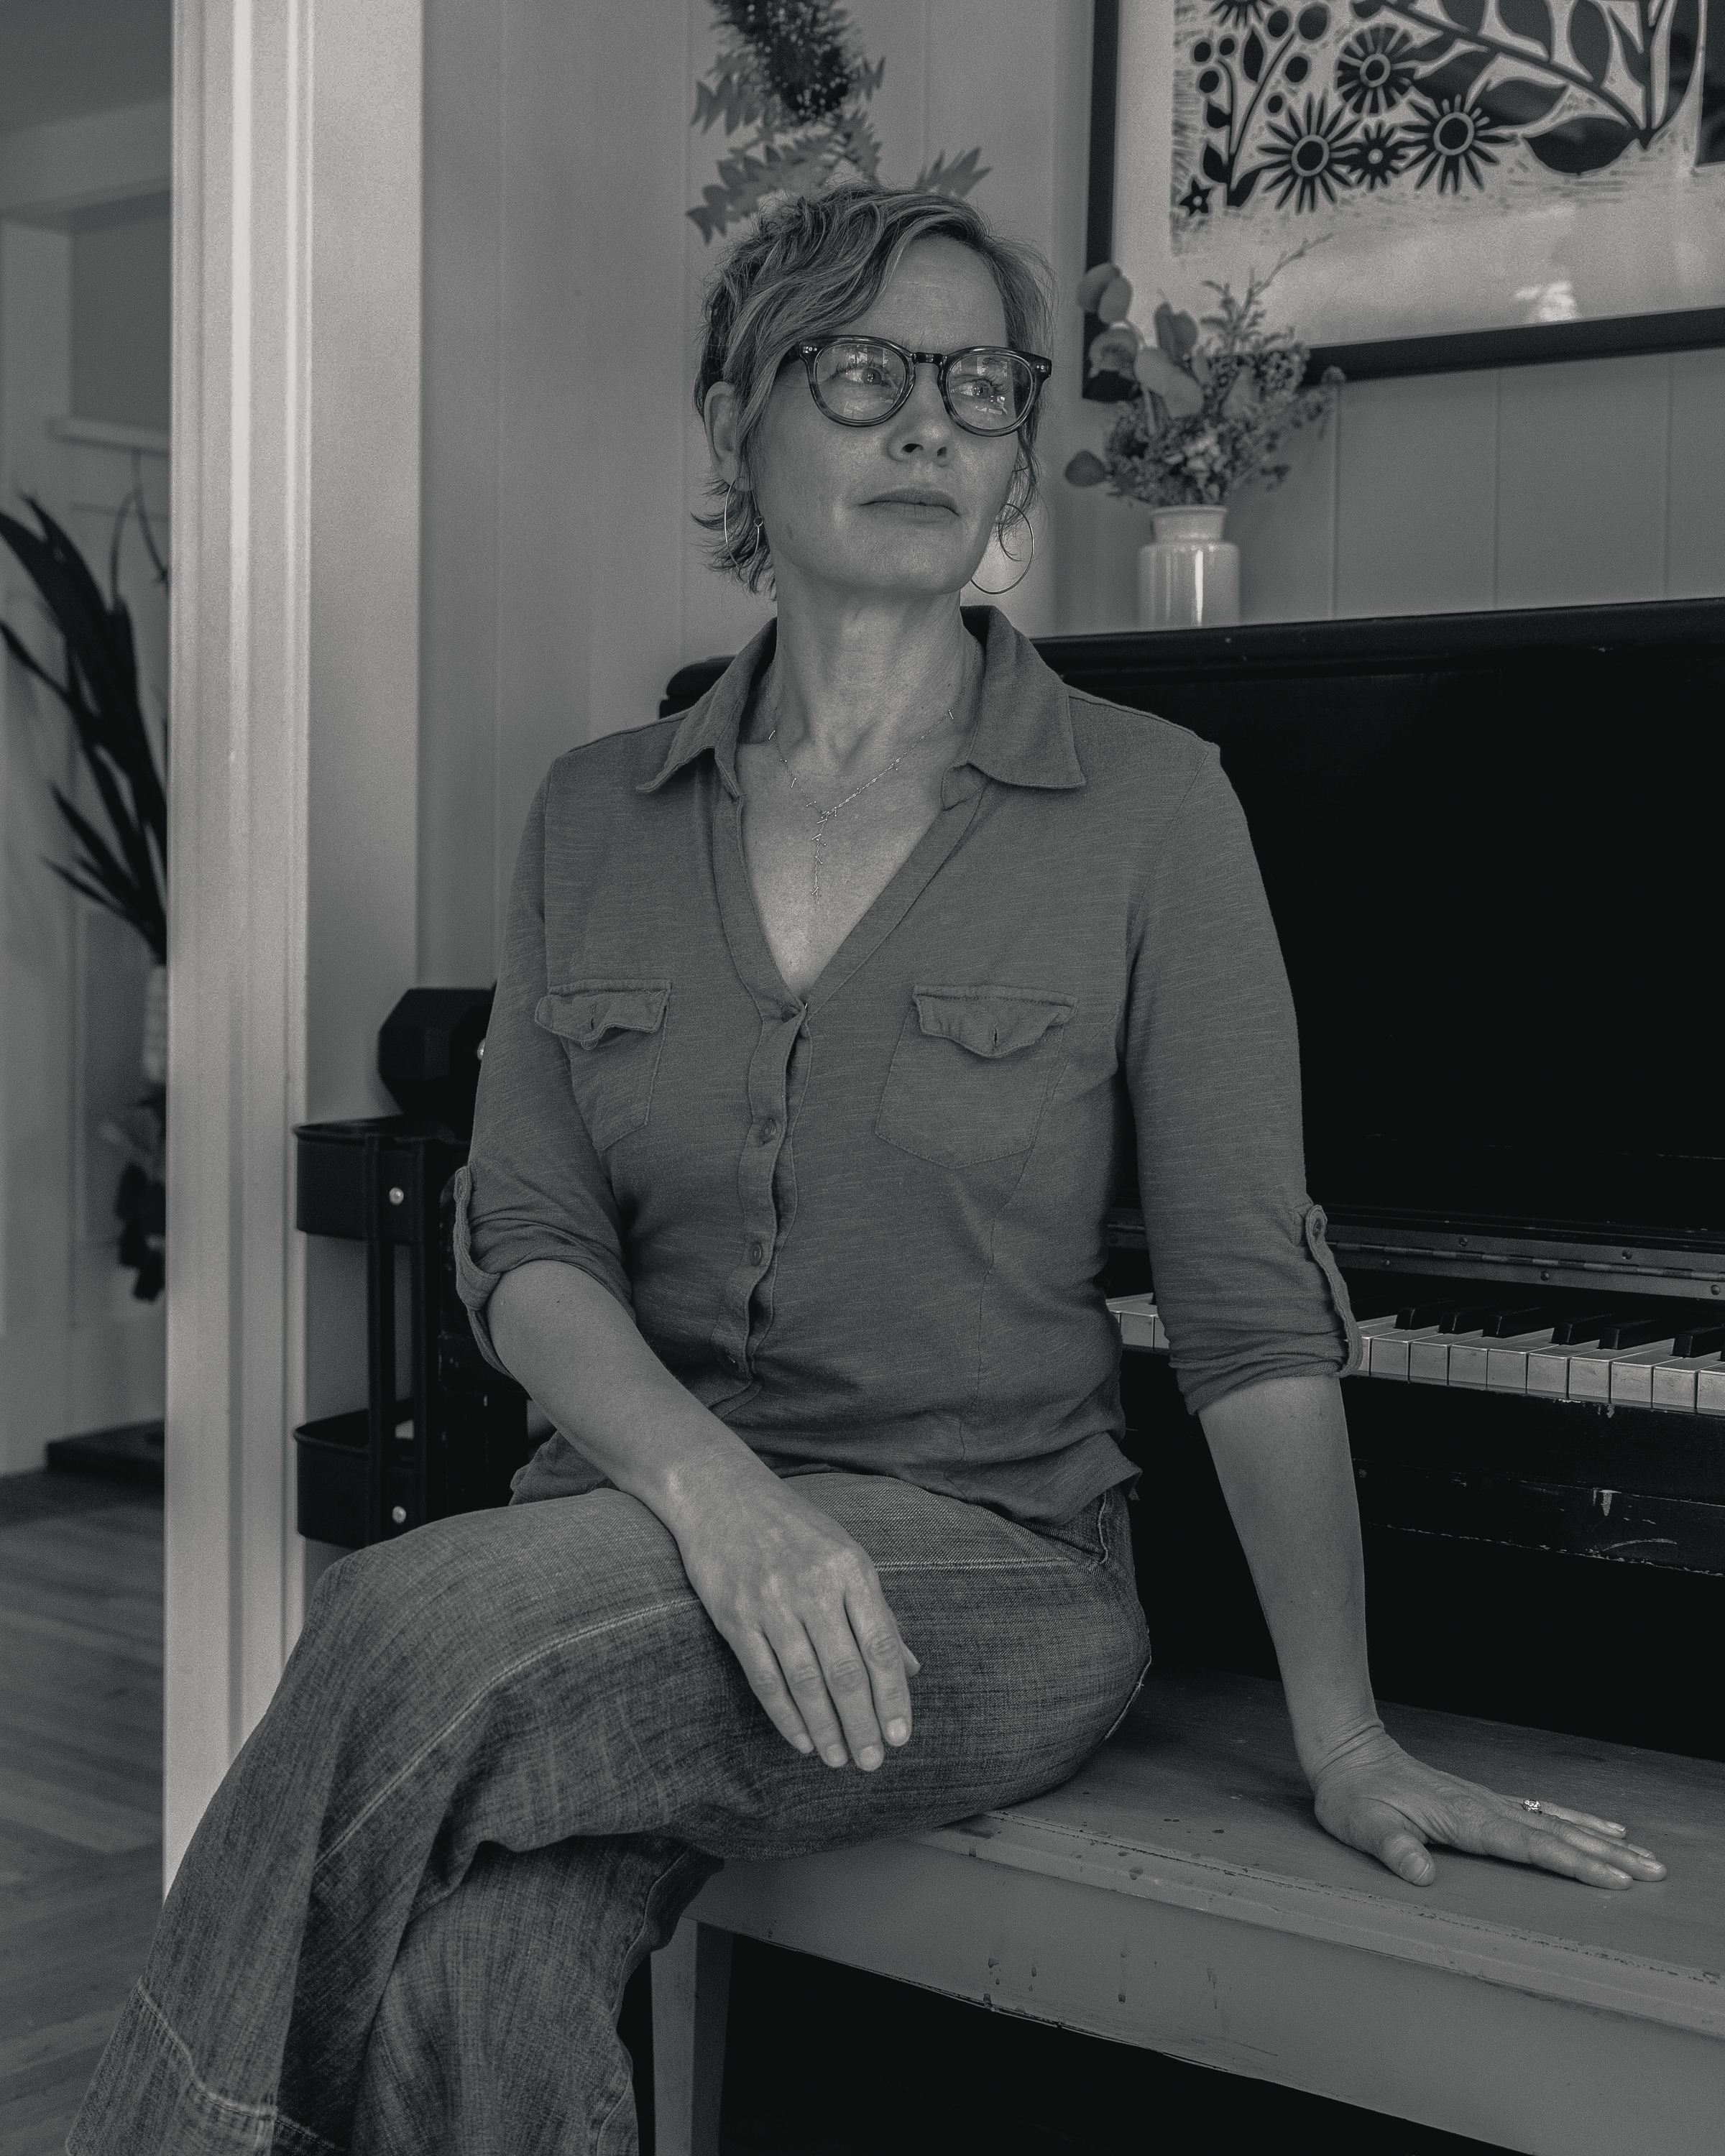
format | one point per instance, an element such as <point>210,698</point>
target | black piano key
<point>1465,1317</point>
<point>1698,1340</point>
<point>1578,1332</point>
<point>1635,1332</point>
<point>1417,1316</point>
<point>1531,1318</point>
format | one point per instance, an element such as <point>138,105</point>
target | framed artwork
<point>1447,183</point>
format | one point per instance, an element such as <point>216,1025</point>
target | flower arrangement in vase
<point>1212,403</point>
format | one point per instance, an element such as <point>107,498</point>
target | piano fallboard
<point>1604,1256</point>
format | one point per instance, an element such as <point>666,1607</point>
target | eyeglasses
<point>861,382</point>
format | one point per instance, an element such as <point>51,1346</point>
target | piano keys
<point>1614,1357</point>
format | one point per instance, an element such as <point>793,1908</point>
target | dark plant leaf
<point>1428,54</point>
<point>1086,468</point>
<point>958,178</point>
<point>21,653</point>
<point>1527,18</point>
<point>123,819</point>
<point>1591,41</point>
<point>1518,102</point>
<point>1638,63</point>
<point>1686,38</point>
<point>100,693</point>
<point>1582,146</point>
<point>1240,193</point>
<point>1465,14</point>
<point>1251,57</point>
<point>1215,115</point>
<point>1215,165</point>
<point>1456,77</point>
<point>100,861</point>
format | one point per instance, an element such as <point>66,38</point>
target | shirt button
<point>757,1253</point>
<point>769,1131</point>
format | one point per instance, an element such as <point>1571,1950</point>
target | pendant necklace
<point>823,817</point>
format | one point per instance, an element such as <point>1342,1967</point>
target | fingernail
<point>897,1733</point>
<point>870,1757</point>
<point>805,1745</point>
<point>833,1755</point>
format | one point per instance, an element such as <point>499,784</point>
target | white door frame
<point>293,776</point>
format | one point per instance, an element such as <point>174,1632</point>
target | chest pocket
<point>613,1032</point>
<point>972,1073</point>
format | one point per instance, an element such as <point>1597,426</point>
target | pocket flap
<point>590,1010</point>
<point>990,1021</point>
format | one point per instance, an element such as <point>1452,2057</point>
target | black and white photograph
<point>863,1184</point>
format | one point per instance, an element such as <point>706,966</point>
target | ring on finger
<point>1532,1805</point>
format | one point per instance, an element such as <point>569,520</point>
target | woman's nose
<point>924,422</point>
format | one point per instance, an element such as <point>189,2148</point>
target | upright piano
<point>1493,847</point>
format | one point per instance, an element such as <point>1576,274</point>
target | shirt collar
<point>1023,735</point>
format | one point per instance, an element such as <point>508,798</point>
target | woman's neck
<point>854,687</point>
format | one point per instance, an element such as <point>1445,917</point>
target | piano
<point>1491,845</point>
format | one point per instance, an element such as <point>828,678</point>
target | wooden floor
<point>81,1784</point>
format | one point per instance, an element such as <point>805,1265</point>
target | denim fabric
<point>506,1753</point>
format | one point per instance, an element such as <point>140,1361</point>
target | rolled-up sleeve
<point>534,1187</point>
<point>1245,1283</point>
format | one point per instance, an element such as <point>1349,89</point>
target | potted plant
<point>125,868</point>
<point>1212,403</point>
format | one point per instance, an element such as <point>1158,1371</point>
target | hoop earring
<point>998,591</point>
<point>737,560</point>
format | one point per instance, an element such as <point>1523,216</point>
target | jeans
<point>505,1754</point>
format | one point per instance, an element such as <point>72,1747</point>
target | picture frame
<point>1558,235</point>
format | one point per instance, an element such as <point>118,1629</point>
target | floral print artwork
<point>1307,111</point>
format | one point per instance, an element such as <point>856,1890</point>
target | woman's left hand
<point>1379,1798</point>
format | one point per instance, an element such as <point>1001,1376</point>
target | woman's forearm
<point>579,1354</point>
<point>1281,1449</point>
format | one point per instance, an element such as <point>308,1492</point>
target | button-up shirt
<point>864,1224</point>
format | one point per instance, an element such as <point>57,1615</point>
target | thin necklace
<point>823,817</point>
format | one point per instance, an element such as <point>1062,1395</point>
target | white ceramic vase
<point>1188,575</point>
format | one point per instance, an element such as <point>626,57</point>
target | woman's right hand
<point>800,1605</point>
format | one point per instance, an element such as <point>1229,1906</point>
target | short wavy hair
<point>810,265</point>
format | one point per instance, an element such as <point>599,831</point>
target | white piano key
<point>1428,1359</point>
<point>1158,1335</point>
<point>1674,1386</point>
<point>1468,1360</point>
<point>1506,1361</point>
<point>1548,1373</point>
<point>1632,1373</point>
<point>1710,1392</point>
<point>1590,1377</point>
<point>1389,1355</point>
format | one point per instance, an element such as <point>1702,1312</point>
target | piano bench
<point>1177,1894</point>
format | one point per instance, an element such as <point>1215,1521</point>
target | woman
<point>820,1015</point>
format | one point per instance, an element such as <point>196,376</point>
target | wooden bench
<point>1178,1895</point>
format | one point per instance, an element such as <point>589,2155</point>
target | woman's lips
<point>921,508</point>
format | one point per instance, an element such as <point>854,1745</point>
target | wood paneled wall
<point>1565,485</point>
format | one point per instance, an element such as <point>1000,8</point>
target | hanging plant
<point>123,868</point>
<point>792,78</point>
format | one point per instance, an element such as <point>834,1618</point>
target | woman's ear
<point>722,414</point>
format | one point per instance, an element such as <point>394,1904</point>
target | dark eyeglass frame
<point>809,350</point>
